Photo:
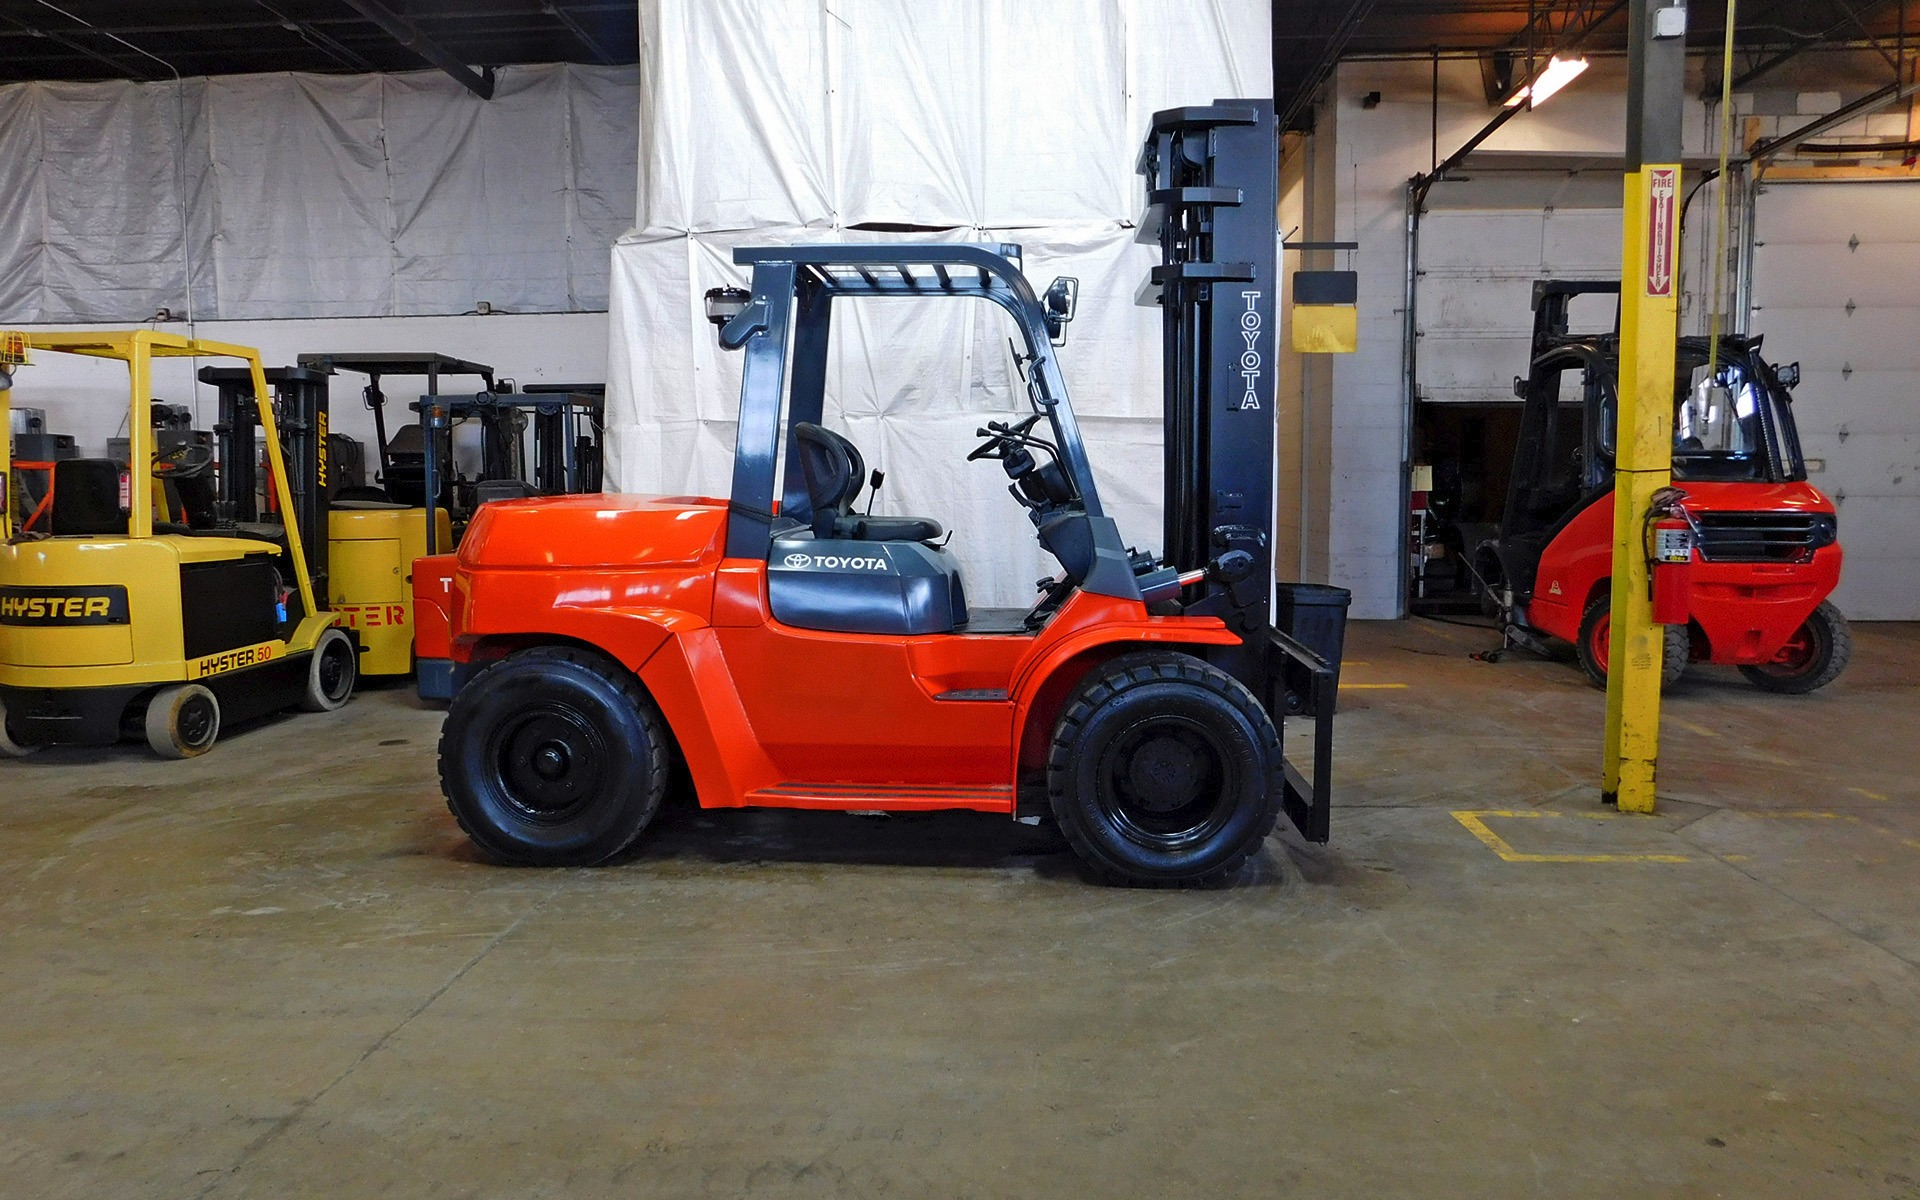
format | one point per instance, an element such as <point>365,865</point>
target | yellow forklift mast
<point>123,621</point>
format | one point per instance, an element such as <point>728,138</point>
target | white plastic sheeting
<point>290,196</point>
<point>784,121</point>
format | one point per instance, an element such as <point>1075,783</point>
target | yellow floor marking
<point>1351,663</point>
<point>1375,686</point>
<point>1800,816</point>
<point>1864,792</point>
<point>1690,727</point>
<point>1778,761</point>
<point>1477,826</point>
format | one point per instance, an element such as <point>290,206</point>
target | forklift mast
<point>300,404</point>
<point>1212,190</point>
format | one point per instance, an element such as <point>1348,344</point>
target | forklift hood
<point>601,532</point>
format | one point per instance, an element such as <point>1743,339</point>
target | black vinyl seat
<point>835,471</point>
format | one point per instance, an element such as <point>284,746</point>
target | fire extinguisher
<point>1670,544</point>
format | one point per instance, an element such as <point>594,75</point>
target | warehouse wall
<point>1374,151</point>
<point>322,213</point>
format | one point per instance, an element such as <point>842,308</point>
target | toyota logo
<point>798,561</point>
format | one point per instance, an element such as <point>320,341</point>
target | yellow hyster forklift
<point>149,606</point>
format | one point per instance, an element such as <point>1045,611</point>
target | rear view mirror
<point>1062,296</point>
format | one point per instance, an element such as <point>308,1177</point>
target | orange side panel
<point>688,679</point>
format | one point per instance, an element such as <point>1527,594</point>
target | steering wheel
<point>1002,437</point>
<point>185,462</point>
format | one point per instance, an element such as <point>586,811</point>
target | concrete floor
<point>280,971</point>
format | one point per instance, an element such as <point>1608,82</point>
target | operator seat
<point>835,471</point>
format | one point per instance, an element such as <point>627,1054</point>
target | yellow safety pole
<point>6,453</point>
<point>140,435</point>
<point>1643,442</point>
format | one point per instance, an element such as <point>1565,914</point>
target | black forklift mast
<point>301,412</point>
<point>1212,192</point>
<point>430,366</point>
<point>1552,298</point>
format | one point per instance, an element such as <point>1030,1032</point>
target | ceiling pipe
<point>404,31</point>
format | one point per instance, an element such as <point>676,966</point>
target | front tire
<point>1812,658</point>
<point>553,757</point>
<point>332,673</point>
<point>1596,640</point>
<point>182,721</point>
<point>1163,770</point>
<point>12,745</point>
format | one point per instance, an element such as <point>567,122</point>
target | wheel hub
<point>1164,774</point>
<point>1168,779</point>
<point>552,762</point>
<point>196,721</point>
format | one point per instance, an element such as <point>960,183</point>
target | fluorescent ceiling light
<point>1558,73</point>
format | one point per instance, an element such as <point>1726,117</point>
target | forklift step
<point>889,796</point>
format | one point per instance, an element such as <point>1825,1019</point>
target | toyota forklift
<point>793,651</point>
<point>153,606</point>
<point>1759,553</point>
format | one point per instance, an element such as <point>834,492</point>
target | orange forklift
<point>1759,552</point>
<point>793,651</point>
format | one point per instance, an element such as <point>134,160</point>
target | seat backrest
<point>86,498</point>
<point>834,471</point>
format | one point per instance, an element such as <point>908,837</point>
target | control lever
<point>873,488</point>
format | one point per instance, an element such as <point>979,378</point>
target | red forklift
<point>793,651</point>
<point>1765,553</point>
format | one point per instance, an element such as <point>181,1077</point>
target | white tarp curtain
<point>781,121</point>
<point>314,195</point>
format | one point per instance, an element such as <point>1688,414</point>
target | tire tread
<point>636,697</point>
<point>1120,675</point>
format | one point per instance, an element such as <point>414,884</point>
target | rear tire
<point>331,673</point>
<point>1811,659</point>
<point>553,757</point>
<point>1596,627</point>
<point>182,721</point>
<point>1163,770</point>
<point>12,745</point>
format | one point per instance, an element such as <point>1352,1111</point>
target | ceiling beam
<point>404,31</point>
<point>1853,17</point>
<point>579,31</point>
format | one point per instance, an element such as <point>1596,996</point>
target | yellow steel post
<point>6,454</point>
<point>140,436</point>
<point>13,353</point>
<point>1643,441</point>
<point>1643,461</point>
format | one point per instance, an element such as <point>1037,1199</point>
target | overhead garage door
<point>1834,286</point>
<point>1475,300</point>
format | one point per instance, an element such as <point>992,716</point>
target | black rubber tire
<point>332,673</point>
<point>553,757</point>
<point>1216,754</point>
<point>182,721</point>
<point>1832,647</point>
<point>1678,645</point>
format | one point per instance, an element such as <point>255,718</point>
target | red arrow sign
<point>1661,186</point>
